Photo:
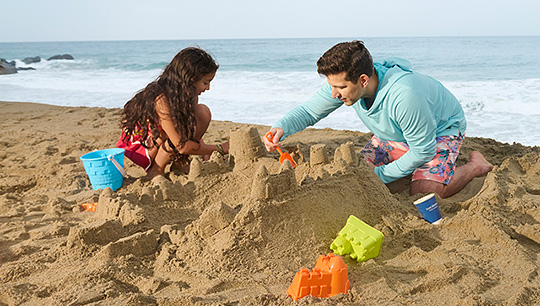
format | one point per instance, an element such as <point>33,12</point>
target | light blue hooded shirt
<point>409,107</point>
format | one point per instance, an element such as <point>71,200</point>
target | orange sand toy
<point>328,278</point>
<point>89,206</point>
<point>283,156</point>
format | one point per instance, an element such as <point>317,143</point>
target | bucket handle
<point>117,165</point>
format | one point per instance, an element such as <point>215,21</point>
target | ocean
<point>496,79</point>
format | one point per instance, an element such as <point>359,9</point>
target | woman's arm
<point>190,147</point>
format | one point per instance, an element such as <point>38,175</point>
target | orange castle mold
<point>328,278</point>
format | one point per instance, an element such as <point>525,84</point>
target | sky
<point>90,20</point>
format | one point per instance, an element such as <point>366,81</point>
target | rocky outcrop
<point>31,60</point>
<point>11,68</point>
<point>61,57</point>
<point>7,67</point>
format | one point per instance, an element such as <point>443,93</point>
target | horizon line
<point>264,38</point>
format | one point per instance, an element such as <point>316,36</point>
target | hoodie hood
<point>399,62</point>
<point>389,71</point>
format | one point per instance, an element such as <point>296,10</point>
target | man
<point>418,124</point>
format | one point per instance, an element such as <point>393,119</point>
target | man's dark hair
<point>350,57</point>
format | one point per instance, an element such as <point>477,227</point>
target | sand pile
<point>236,230</point>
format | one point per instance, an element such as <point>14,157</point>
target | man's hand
<point>272,145</point>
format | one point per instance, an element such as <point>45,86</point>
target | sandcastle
<point>229,218</point>
<point>299,211</point>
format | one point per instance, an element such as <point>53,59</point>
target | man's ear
<point>363,80</point>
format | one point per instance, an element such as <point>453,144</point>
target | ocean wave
<point>91,65</point>
<point>510,96</point>
<point>59,65</point>
<point>263,97</point>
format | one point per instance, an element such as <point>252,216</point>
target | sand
<point>235,231</point>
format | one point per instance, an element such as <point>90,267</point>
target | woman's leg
<point>203,116</point>
<point>160,157</point>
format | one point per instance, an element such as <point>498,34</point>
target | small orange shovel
<point>89,206</point>
<point>283,156</point>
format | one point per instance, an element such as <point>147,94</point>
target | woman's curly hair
<point>177,84</point>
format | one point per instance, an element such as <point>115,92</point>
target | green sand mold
<point>358,239</point>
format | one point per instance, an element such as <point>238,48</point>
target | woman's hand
<point>225,147</point>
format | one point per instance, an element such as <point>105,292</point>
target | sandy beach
<point>235,231</point>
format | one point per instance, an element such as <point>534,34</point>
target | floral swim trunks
<point>440,168</point>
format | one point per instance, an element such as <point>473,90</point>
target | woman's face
<point>204,83</point>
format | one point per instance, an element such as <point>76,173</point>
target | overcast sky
<point>81,20</point>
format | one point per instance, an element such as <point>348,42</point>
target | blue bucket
<point>105,168</point>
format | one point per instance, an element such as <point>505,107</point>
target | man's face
<point>348,92</point>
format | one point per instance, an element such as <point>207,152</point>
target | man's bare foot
<point>482,165</point>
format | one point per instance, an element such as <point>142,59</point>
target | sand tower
<point>347,153</point>
<point>317,155</point>
<point>246,147</point>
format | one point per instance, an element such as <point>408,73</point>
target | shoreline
<point>492,140</point>
<point>219,236</point>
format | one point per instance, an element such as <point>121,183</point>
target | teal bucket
<point>105,168</point>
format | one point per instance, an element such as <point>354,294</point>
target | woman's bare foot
<point>182,167</point>
<point>153,172</point>
<point>482,165</point>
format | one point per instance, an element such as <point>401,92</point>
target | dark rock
<point>26,68</point>
<point>7,67</point>
<point>30,60</point>
<point>59,57</point>
<point>4,61</point>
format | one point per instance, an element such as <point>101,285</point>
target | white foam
<point>503,110</point>
<point>58,65</point>
<point>510,96</point>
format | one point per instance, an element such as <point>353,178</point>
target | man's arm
<point>412,113</point>
<point>310,112</point>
